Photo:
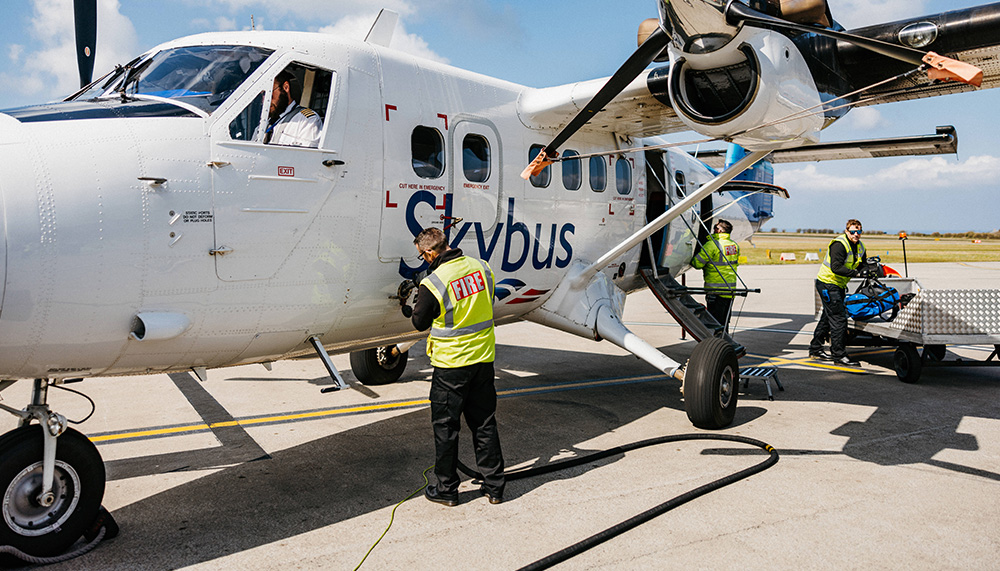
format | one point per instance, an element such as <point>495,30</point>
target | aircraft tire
<point>711,384</point>
<point>78,486</point>
<point>906,361</point>
<point>375,366</point>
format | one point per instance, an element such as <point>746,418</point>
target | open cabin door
<point>668,182</point>
<point>266,195</point>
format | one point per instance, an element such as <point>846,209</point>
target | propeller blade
<point>941,67</point>
<point>629,70</point>
<point>85,18</point>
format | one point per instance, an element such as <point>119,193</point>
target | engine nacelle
<point>755,91</point>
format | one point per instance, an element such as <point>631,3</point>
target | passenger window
<point>623,175</point>
<point>476,158</point>
<point>679,187</point>
<point>598,174</point>
<point>572,171</point>
<point>427,149</point>
<point>542,180</point>
<point>243,127</point>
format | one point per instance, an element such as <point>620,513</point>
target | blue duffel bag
<point>873,299</point>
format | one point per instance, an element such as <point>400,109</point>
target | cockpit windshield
<point>202,76</point>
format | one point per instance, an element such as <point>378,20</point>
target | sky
<point>541,44</point>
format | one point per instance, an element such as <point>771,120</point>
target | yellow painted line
<point>143,433</point>
<point>176,430</point>
<point>808,362</point>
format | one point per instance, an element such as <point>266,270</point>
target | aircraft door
<point>268,194</point>
<point>476,175</point>
<point>682,232</point>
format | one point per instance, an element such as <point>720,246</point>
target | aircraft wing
<point>635,112</point>
<point>943,142</point>
<point>643,107</point>
<point>968,35</point>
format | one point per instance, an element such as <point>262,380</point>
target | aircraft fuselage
<point>143,238</point>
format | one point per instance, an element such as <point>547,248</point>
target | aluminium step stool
<point>765,373</point>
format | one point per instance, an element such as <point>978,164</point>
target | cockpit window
<point>203,76</point>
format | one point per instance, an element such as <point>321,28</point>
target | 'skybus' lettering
<point>519,243</point>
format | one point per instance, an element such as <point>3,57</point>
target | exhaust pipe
<point>159,326</point>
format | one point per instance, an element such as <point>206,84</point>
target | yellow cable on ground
<point>392,516</point>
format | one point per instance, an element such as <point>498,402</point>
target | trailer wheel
<point>906,361</point>
<point>377,366</point>
<point>936,352</point>
<point>711,384</point>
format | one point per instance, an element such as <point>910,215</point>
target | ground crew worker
<point>718,259</point>
<point>456,302</point>
<point>845,259</point>
<point>289,123</point>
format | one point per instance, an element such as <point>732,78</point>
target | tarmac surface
<point>257,469</point>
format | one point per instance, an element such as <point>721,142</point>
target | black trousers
<point>467,391</point>
<point>718,307</point>
<point>833,321</point>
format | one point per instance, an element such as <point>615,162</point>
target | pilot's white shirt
<point>297,127</point>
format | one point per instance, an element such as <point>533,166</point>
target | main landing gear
<point>711,384</point>
<point>51,482</point>
<point>379,365</point>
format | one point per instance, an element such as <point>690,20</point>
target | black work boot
<point>432,494</point>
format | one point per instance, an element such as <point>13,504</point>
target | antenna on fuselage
<point>382,29</point>
<point>252,25</point>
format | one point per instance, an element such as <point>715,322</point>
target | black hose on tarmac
<point>635,521</point>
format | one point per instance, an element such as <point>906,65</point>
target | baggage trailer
<point>932,319</point>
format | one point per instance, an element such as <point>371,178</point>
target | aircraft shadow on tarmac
<point>365,469</point>
<point>912,422</point>
<point>267,498</point>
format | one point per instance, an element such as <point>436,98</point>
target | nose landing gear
<point>51,481</point>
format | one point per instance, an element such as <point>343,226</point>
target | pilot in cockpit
<point>289,123</point>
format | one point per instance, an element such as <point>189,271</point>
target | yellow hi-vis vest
<point>462,334</point>
<point>852,262</point>
<point>718,260</point>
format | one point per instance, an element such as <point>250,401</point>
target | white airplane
<point>147,227</point>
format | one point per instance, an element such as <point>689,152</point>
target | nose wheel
<point>47,524</point>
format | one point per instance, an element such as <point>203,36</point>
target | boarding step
<point>690,314</point>
<point>764,373</point>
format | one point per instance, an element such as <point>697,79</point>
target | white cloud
<point>49,69</point>
<point>220,24</point>
<point>350,18</point>
<point>861,13</point>
<point>15,52</point>
<point>358,25</point>
<point>314,9</point>
<point>865,119</point>
<point>940,173</point>
<point>918,173</point>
